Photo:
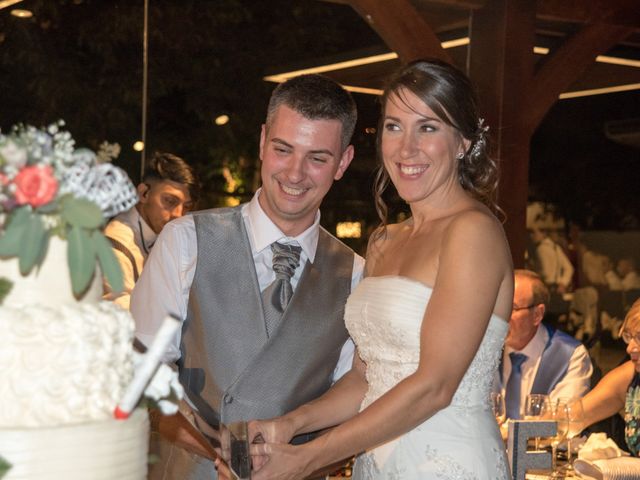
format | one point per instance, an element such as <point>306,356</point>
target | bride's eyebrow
<point>423,119</point>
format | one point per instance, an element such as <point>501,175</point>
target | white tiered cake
<point>66,364</point>
<point>66,359</point>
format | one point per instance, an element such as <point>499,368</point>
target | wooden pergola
<point>516,87</point>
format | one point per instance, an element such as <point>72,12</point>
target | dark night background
<point>81,60</point>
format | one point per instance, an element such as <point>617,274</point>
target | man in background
<point>554,265</point>
<point>167,191</point>
<point>538,358</point>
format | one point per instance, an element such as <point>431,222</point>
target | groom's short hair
<point>316,97</point>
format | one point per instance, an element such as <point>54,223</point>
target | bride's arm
<point>474,262</point>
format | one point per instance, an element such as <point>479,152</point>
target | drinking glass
<point>558,412</point>
<point>536,406</point>
<point>575,414</point>
<point>498,407</point>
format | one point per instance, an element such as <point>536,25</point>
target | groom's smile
<point>301,158</point>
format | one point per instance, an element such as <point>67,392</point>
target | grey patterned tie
<point>276,296</point>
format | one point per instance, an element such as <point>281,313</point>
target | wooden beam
<point>563,67</point>
<point>613,12</point>
<point>501,67</point>
<point>402,28</point>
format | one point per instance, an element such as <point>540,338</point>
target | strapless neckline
<point>418,283</point>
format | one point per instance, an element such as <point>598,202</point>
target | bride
<point>428,319</point>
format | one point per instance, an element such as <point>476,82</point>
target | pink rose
<point>35,185</point>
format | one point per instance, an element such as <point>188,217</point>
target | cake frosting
<point>66,364</point>
<point>67,356</point>
<point>99,450</point>
<point>64,361</point>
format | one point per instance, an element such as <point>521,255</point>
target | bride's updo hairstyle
<point>449,93</point>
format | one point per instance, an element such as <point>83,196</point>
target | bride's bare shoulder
<point>379,240</point>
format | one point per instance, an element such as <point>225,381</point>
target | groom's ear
<point>345,161</point>
<point>263,138</point>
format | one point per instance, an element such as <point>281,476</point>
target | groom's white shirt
<point>175,254</point>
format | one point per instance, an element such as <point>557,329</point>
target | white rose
<point>13,154</point>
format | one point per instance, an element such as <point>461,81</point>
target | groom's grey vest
<point>228,362</point>
<point>229,367</point>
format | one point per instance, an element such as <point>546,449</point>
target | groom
<point>261,287</point>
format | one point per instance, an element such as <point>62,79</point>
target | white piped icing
<point>65,364</point>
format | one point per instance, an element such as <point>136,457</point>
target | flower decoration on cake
<point>48,187</point>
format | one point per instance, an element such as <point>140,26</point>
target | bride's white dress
<point>461,442</point>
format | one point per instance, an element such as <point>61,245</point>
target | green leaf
<point>20,216</point>
<point>45,247</point>
<point>33,240</point>
<point>81,212</point>
<point>82,259</point>
<point>5,288</point>
<point>11,240</point>
<point>4,467</point>
<point>108,262</point>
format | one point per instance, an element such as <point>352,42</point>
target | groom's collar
<point>263,232</point>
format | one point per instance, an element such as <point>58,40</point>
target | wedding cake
<point>66,356</point>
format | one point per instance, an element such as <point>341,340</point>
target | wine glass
<point>558,412</point>
<point>536,406</point>
<point>498,407</point>
<point>575,414</point>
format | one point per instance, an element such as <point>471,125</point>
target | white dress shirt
<point>613,281</point>
<point>631,281</point>
<point>555,267</point>
<point>130,229</point>
<point>575,383</point>
<point>164,286</point>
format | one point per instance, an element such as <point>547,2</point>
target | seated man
<point>556,270</point>
<point>538,358</point>
<point>168,190</point>
<point>629,278</point>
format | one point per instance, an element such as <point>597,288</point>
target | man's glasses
<point>516,308</point>
<point>627,336</point>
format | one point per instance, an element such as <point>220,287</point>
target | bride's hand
<point>277,430</point>
<point>281,461</point>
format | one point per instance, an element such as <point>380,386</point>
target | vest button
<point>227,398</point>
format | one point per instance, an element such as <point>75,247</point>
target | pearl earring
<point>460,155</point>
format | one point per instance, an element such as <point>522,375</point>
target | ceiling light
<point>600,91</point>
<point>222,119</point>
<point>457,42</point>
<point>8,3</point>
<point>138,146</point>
<point>356,62</point>
<point>20,13</point>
